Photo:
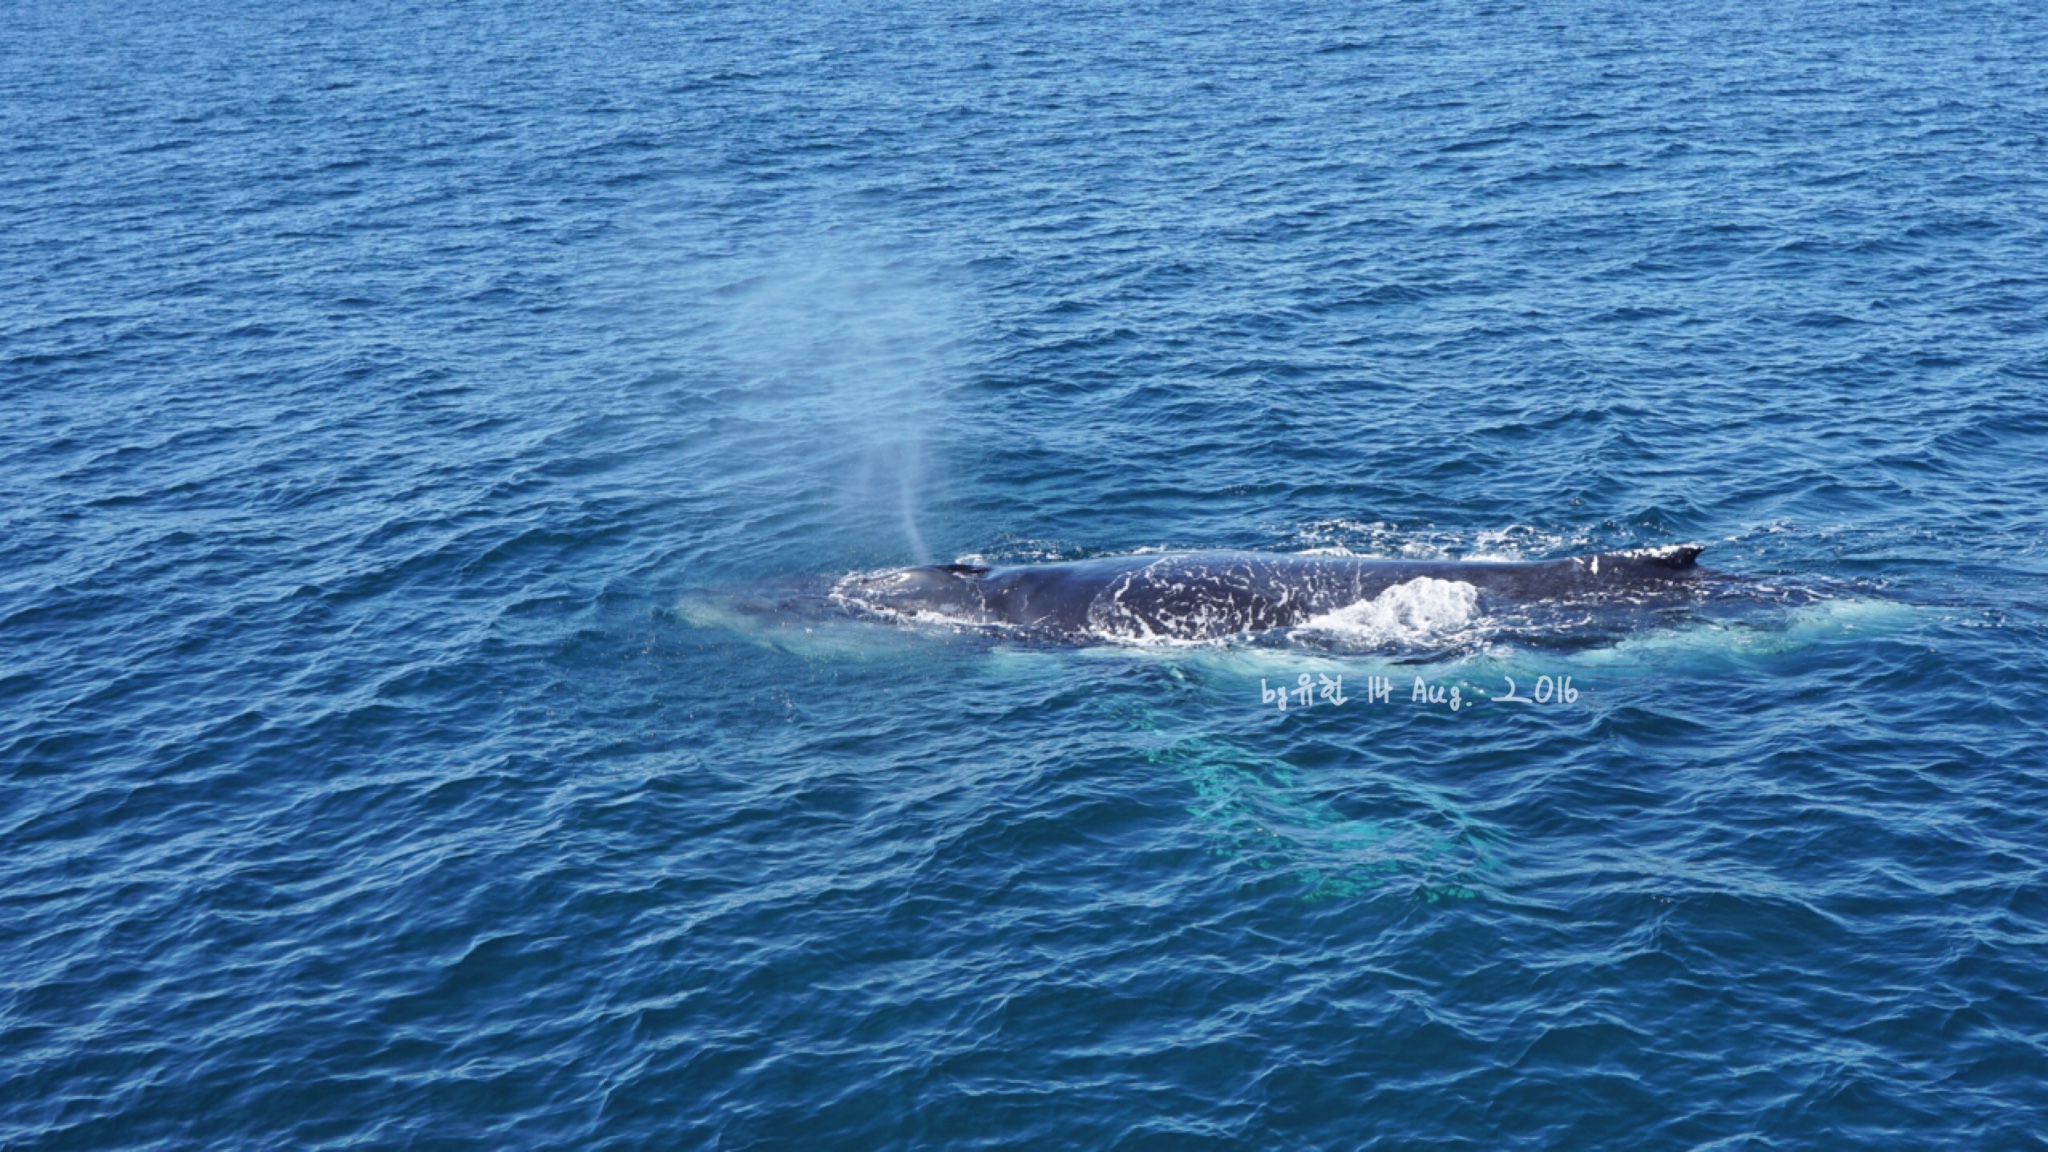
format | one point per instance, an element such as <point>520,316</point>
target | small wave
<point>1378,538</point>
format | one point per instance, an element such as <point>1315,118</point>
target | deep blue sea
<point>407,410</point>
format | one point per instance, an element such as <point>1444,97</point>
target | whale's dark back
<point>1207,595</point>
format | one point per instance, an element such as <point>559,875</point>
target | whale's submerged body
<point>1220,595</point>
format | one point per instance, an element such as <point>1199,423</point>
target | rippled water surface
<point>413,418</point>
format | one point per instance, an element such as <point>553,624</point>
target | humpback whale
<point>1217,595</point>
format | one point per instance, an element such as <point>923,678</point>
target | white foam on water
<point>1378,538</point>
<point>1424,610</point>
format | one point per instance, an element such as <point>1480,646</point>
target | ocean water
<point>396,401</point>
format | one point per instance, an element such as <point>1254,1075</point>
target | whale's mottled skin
<point>1213,595</point>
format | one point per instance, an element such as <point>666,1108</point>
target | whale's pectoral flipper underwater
<point>1218,595</point>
